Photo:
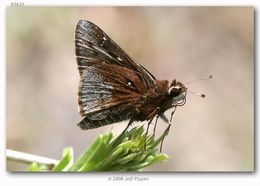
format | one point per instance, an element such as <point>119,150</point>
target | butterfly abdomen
<point>105,117</point>
<point>88,123</point>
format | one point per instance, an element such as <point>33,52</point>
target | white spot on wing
<point>103,42</point>
<point>119,59</point>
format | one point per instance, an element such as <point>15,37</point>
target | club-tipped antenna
<point>197,94</point>
<point>200,79</point>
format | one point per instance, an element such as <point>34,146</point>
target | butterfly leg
<point>174,109</point>
<point>165,133</point>
<point>156,120</point>
<point>153,114</point>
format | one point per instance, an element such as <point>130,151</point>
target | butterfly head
<point>177,91</point>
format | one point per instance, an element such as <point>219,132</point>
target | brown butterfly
<point>113,87</point>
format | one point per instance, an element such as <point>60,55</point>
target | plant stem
<point>27,158</point>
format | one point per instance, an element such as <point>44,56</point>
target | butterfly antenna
<point>197,94</point>
<point>200,79</point>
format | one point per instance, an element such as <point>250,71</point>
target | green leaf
<point>104,165</point>
<point>35,167</point>
<point>102,150</point>
<point>160,157</point>
<point>138,166</point>
<point>98,150</point>
<point>66,162</point>
<point>126,159</point>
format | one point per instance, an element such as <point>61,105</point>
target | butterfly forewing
<point>92,44</point>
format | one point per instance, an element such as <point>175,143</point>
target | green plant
<point>131,151</point>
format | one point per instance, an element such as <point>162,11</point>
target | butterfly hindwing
<point>104,86</point>
<point>108,94</point>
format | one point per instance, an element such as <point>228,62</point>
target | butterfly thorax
<point>161,98</point>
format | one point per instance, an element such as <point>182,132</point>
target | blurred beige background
<point>211,134</point>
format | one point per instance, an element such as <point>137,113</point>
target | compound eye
<point>175,91</point>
